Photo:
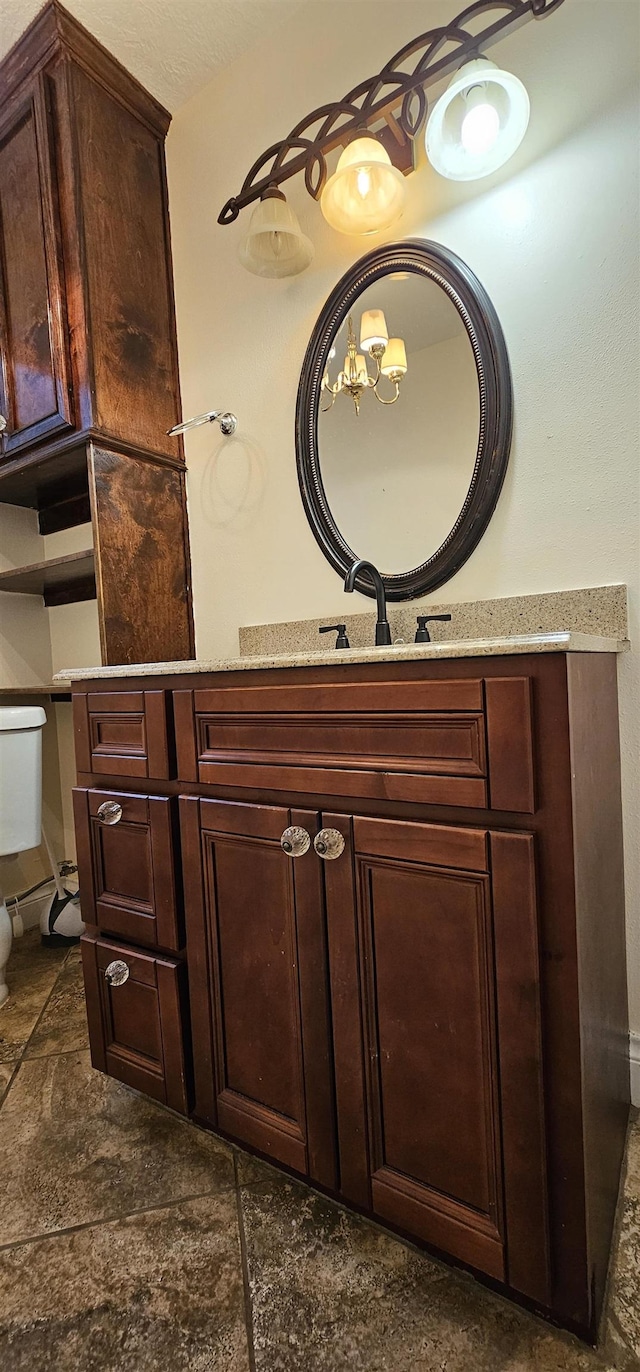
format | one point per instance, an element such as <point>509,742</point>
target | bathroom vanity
<point>363,913</point>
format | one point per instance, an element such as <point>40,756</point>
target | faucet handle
<point>341,630</point>
<point>422,633</point>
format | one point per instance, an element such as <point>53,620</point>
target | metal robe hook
<point>228,422</point>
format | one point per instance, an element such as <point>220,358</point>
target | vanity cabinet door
<point>435,996</point>
<point>135,1014</point>
<point>258,978</point>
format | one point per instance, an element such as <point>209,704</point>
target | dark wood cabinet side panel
<point>84,853</point>
<point>93,1001</point>
<point>173,1054</point>
<point>600,913</point>
<point>521,1068</point>
<point>510,743</point>
<point>81,738</point>
<point>143,576</point>
<point>198,961</point>
<point>121,164</point>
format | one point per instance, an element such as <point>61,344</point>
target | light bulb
<point>480,129</point>
<point>478,122</point>
<point>363,182</point>
<point>366,193</point>
<point>275,244</point>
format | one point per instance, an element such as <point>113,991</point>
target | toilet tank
<point>20,777</point>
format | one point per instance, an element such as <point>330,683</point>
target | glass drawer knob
<point>295,841</point>
<point>116,973</point>
<point>329,844</point>
<point>109,812</point>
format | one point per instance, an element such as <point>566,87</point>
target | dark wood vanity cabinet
<point>410,993</point>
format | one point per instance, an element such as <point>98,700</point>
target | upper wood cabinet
<point>36,396</point>
<point>88,342</point>
<point>88,358</point>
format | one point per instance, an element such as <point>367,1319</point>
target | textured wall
<point>554,239</point>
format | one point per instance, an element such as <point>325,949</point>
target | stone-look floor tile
<point>31,973</point>
<point>632,1178</point>
<point>76,1146</point>
<point>63,1026</point>
<point>253,1171</point>
<point>7,1070</point>
<point>157,1292</point>
<point>623,1313</point>
<point>331,1292</point>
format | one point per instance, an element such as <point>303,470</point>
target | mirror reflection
<point>399,421</point>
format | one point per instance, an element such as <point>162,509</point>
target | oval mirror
<point>404,418</point>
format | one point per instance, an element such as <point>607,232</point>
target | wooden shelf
<point>60,580</point>
<point>51,691</point>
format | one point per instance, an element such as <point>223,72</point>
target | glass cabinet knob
<point>295,841</point>
<point>329,844</point>
<point>109,812</point>
<point>3,423</point>
<point>116,973</point>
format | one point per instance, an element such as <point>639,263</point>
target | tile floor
<point>131,1240</point>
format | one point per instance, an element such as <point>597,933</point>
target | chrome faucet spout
<point>383,630</point>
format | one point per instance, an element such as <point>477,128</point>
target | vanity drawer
<point>417,741</point>
<point>126,856</point>
<point>122,734</point>
<point>135,1009</point>
<point>464,742</point>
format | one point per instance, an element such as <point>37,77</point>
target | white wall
<point>554,239</point>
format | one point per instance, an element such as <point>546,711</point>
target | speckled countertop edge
<point>406,652</point>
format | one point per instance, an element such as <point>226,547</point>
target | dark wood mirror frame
<point>496,412</point>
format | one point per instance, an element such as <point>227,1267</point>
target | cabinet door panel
<point>34,392</point>
<point>430,1009</point>
<point>261,915</point>
<point>430,1050</point>
<point>127,869</point>
<point>136,1027</point>
<point>449,1010</point>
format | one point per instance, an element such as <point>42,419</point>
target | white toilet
<point>20,798</point>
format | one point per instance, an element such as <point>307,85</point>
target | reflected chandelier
<point>389,356</point>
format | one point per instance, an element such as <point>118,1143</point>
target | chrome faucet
<point>383,631</point>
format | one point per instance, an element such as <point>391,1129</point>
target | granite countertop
<point>559,642</point>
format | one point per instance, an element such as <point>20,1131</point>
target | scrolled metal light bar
<point>394,96</point>
<point>397,97</point>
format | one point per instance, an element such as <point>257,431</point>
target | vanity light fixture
<point>479,121</point>
<point>389,355</point>
<point>474,128</point>
<point>366,192</point>
<point>275,244</point>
